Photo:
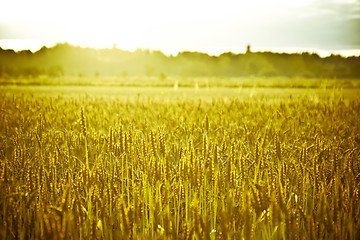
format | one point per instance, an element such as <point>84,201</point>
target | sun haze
<point>171,26</point>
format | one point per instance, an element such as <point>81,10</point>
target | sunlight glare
<point>171,26</point>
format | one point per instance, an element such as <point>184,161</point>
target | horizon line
<point>18,45</point>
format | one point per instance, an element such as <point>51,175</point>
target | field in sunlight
<point>171,94</point>
<point>173,162</point>
<point>187,82</point>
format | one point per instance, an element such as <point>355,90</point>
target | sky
<point>322,26</point>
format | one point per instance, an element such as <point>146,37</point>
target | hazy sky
<point>174,25</point>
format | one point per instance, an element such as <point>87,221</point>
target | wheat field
<point>95,167</point>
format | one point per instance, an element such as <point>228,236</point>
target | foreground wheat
<point>86,168</point>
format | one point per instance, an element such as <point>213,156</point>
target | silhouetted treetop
<point>66,59</point>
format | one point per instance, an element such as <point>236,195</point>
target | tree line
<point>68,60</point>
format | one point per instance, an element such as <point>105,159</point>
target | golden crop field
<point>142,167</point>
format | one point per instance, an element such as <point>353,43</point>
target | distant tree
<point>56,71</point>
<point>96,74</point>
<point>81,75</point>
<point>2,71</point>
<point>124,74</point>
<point>149,70</point>
<point>253,68</point>
<point>74,59</point>
<point>28,72</point>
<point>162,76</point>
<point>354,68</point>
